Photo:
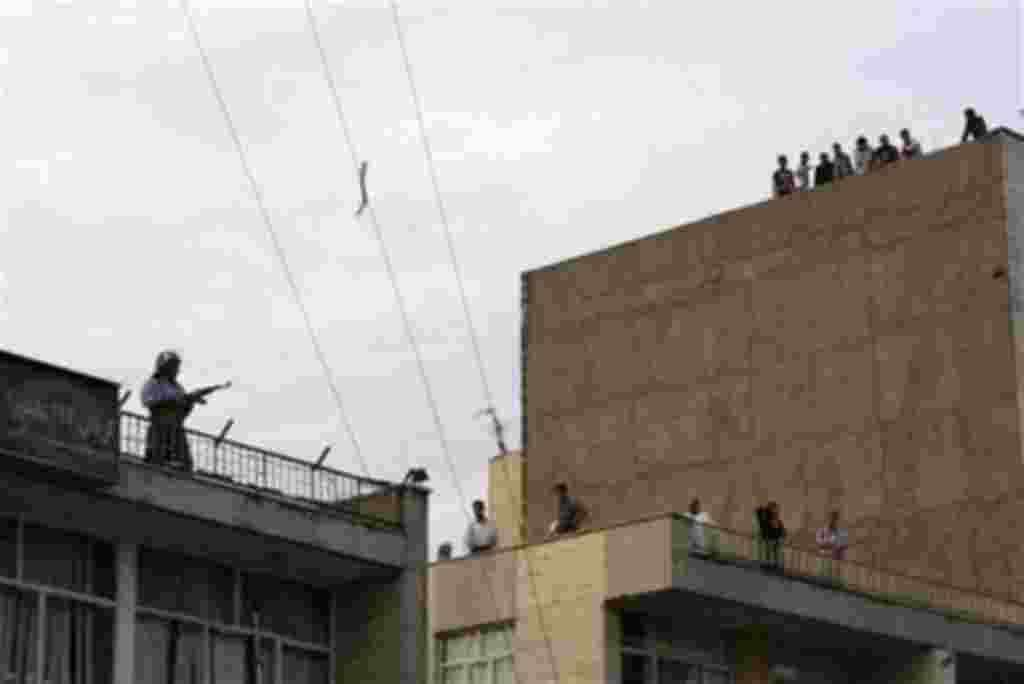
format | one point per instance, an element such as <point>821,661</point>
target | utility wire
<point>275,241</point>
<point>350,142</point>
<point>443,213</point>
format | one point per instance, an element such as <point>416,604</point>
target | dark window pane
<point>287,608</point>
<point>8,546</point>
<point>69,561</point>
<point>675,672</point>
<point>182,584</point>
<point>79,643</point>
<point>301,667</point>
<point>634,668</point>
<point>634,630</point>
<point>18,634</point>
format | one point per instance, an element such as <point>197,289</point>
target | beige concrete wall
<point>843,348</point>
<point>505,497</point>
<point>473,591</point>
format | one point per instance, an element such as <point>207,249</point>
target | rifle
<point>199,396</point>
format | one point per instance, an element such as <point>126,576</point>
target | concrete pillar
<point>381,625</point>
<point>752,660</point>
<point>124,628</point>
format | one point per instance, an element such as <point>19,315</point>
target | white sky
<point>558,128</point>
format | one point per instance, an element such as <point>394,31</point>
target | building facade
<point>853,348</point>
<point>252,568</point>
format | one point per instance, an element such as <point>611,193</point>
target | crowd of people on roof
<point>865,159</point>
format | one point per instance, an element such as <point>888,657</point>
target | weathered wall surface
<point>505,497</point>
<point>848,347</point>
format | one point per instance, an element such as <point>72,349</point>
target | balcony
<point>276,476</point>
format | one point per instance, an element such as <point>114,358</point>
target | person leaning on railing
<point>771,532</point>
<point>169,406</point>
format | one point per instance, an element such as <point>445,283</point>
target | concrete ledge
<point>789,597</point>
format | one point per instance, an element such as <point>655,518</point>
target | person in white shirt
<point>862,156</point>
<point>481,535</point>
<point>803,172</point>
<point>699,519</point>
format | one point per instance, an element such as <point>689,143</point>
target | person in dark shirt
<point>974,126</point>
<point>783,181</point>
<point>571,512</point>
<point>885,153</point>
<point>825,171</point>
<point>843,163</point>
<point>772,532</point>
<point>911,148</point>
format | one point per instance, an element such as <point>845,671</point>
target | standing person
<point>911,147</point>
<point>444,552</point>
<point>783,182</point>
<point>833,542</point>
<point>974,126</point>
<point>481,535</point>
<point>843,163</point>
<point>571,513</point>
<point>862,156</point>
<point>885,153</point>
<point>825,171</point>
<point>698,519</point>
<point>772,532</point>
<point>803,172</point>
<point>169,407</point>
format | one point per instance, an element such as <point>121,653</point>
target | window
<point>78,643</point>
<point>478,657</point>
<point>18,636</point>
<point>68,560</point>
<point>8,547</point>
<point>661,652</point>
<point>199,622</point>
<point>286,608</point>
<point>182,584</point>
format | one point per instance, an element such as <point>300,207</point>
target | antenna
<point>497,428</point>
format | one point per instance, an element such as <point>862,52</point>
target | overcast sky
<point>558,128</point>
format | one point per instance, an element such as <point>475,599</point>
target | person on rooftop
<point>832,541</point>
<point>571,513</point>
<point>862,156</point>
<point>974,125</point>
<point>886,153</point>
<point>169,407</point>
<point>803,172</point>
<point>843,163</point>
<point>771,532</point>
<point>444,552</point>
<point>825,171</point>
<point>783,182</point>
<point>698,519</point>
<point>911,147</point>
<point>481,535</point>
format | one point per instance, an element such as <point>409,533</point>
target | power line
<point>350,142</point>
<point>474,339</point>
<point>442,211</point>
<point>275,241</point>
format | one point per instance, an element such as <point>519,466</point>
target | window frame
<point>654,651</point>
<point>444,666</point>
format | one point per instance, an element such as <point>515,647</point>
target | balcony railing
<point>729,546</point>
<point>275,474</point>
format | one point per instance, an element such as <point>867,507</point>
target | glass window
<point>232,659</point>
<point>634,668</point>
<point>182,584</point>
<point>634,631</point>
<point>303,667</point>
<point>677,672</point>
<point>161,645</point>
<point>78,643</point>
<point>8,547</point>
<point>18,636</point>
<point>716,676</point>
<point>287,608</point>
<point>68,560</point>
<point>478,657</point>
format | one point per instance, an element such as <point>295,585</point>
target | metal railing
<point>274,474</point>
<point>812,565</point>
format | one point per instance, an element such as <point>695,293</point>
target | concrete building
<point>853,348</point>
<point>252,568</point>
